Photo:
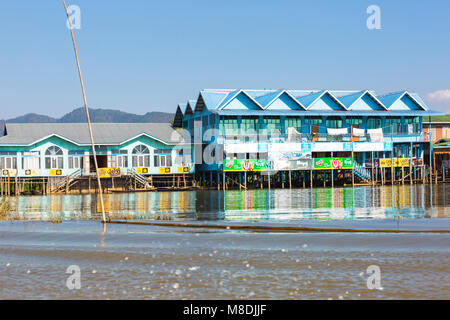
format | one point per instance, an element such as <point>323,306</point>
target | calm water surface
<point>147,262</point>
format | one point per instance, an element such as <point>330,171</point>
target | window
<point>183,157</point>
<point>163,158</point>
<point>313,121</point>
<point>373,123</point>
<point>141,156</point>
<point>229,125</point>
<point>249,125</point>
<point>76,159</point>
<point>354,121</point>
<point>54,158</point>
<point>293,122</point>
<point>8,160</point>
<point>119,158</point>
<point>31,160</point>
<point>273,125</point>
<point>393,125</point>
<point>334,122</point>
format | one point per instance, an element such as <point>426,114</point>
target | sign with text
<point>288,164</point>
<point>142,170</point>
<point>164,170</point>
<point>108,172</point>
<point>244,165</point>
<point>55,172</point>
<point>333,163</point>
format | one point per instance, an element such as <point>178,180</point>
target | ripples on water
<point>147,262</point>
<point>417,201</point>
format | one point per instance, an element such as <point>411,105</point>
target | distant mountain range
<point>96,115</point>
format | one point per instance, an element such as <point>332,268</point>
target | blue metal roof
<point>343,113</point>
<point>315,101</point>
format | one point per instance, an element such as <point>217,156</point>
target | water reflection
<point>416,201</point>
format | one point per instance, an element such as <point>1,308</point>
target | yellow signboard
<point>142,170</point>
<point>385,163</point>
<point>183,169</point>
<point>401,162</point>
<point>164,170</point>
<point>398,162</point>
<point>56,172</point>
<point>108,172</point>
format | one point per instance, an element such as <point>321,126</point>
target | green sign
<point>244,165</point>
<point>333,163</point>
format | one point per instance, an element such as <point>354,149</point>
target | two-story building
<point>305,133</point>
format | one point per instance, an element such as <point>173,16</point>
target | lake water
<point>157,262</point>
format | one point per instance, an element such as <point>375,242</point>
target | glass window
<point>334,122</point>
<point>141,156</point>
<point>354,121</point>
<point>249,125</point>
<point>373,123</point>
<point>229,125</point>
<point>293,122</point>
<point>53,158</point>
<point>162,158</point>
<point>8,162</point>
<point>273,125</point>
<point>313,121</point>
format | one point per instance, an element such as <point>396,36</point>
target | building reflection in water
<point>416,201</point>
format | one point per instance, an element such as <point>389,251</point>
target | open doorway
<point>102,162</point>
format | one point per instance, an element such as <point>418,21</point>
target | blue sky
<point>141,56</point>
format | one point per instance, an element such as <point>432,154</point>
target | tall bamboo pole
<point>87,113</point>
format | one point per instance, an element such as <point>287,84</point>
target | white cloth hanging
<point>337,132</point>
<point>293,135</point>
<point>375,134</point>
<point>357,132</point>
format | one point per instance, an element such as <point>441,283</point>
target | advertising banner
<point>244,165</point>
<point>396,162</point>
<point>142,170</point>
<point>163,169</point>
<point>298,164</point>
<point>183,169</point>
<point>108,172</point>
<point>333,163</point>
<point>417,162</point>
<point>401,162</point>
<point>55,172</point>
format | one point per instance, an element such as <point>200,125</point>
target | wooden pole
<point>87,114</point>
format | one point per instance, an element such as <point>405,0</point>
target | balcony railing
<point>323,137</point>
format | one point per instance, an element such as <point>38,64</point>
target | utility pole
<point>87,114</point>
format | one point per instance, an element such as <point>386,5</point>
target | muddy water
<point>147,262</point>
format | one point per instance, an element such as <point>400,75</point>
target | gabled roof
<point>351,100</point>
<point>178,118</point>
<point>25,134</point>
<point>397,101</point>
<point>314,98</point>
<point>189,109</point>
<point>240,95</point>
<point>309,100</point>
<point>280,101</point>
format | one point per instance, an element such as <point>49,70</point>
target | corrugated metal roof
<point>104,133</point>
<point>219,98</point>
<point>343,113</point>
